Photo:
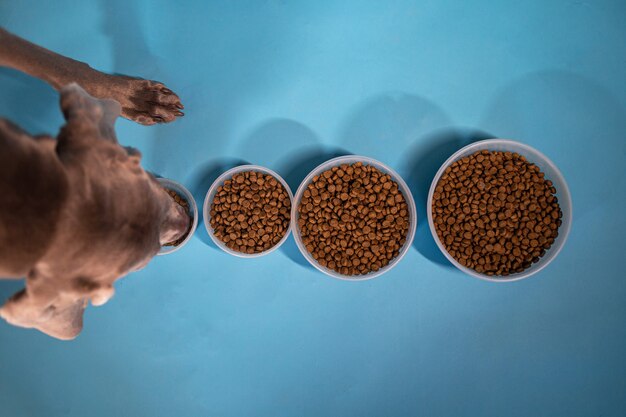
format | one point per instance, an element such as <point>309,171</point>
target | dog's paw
<point>149,102</point>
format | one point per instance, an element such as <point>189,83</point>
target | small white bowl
<point>351,159</point>
<point>206,209</point>
<point>193,211</point>
<point>551,172</point>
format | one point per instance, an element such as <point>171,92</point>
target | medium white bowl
<point>551,172</point>
<point>351,159</point>
<point>193,211</point>
<point>206,209</point>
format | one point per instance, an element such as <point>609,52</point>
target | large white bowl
<point>351,159</point>
<point>206,209</point>
<point>193,211</point>
<point>551,172</point>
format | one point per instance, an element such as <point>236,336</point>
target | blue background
<point>288,84</point>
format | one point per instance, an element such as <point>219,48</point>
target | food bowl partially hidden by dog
<point>355,194</point>
<point>252,219</point>
<point>546,167</point>
<point>184,194</point>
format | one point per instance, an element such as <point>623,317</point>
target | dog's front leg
<point>144,101</point>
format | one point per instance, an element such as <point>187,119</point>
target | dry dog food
<point>250,212</point>
<point>353,219</point>
<point>495,212</point>
<point>185,204</point>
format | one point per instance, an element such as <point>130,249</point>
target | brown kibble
<point>363,224</point>
<point>495,212</point>
<point>253,215</point>
<point>184,204</point>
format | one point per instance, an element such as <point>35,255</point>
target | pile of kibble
<point>250,212</point>
<point>495,212</point>
<point>184,204</point>
<point>353,219</point>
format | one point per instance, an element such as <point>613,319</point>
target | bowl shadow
<point>421,164</point>
<point>200,181</point>
<point>272,139</point>
<point>383,125</point>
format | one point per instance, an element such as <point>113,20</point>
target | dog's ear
<point>57,312</point>
<point>58,317</point>
<point>87,117</point>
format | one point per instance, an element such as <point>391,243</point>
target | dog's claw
<point>179,113</point>
<point>179,105</point>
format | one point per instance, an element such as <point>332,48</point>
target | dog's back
<point>33,191</point>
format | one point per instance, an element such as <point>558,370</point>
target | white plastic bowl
<point>193,211</point>
<point>351,159</point>
<point>551,172</point>
<point>206,209</point>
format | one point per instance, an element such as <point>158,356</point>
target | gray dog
<point>78,212</point>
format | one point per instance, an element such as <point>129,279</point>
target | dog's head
<point>115,219</point>
<point>115,198</point>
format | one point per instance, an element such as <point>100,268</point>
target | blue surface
<point>286,84</point>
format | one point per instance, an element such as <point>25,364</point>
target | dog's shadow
<point>421,164</point>
<point>129,48</point>
<point>294,168</point>
<point>200,181</point>
<point>8,287</point>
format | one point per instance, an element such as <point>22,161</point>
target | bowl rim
<point>564,229</point>
<point>404,188</point>
<point>206,208</point>
<point>178,187</point>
